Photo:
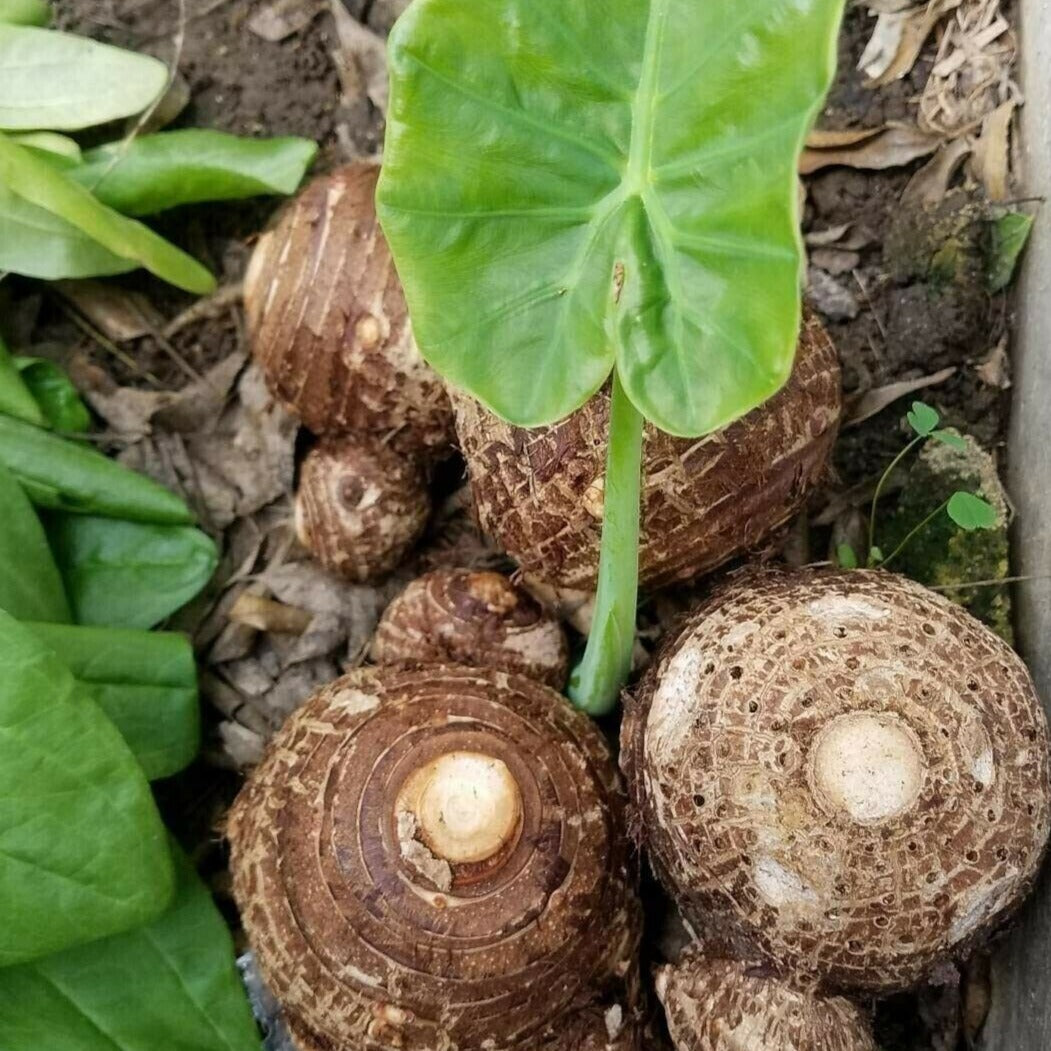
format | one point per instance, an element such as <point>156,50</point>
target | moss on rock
<point>942,555</point>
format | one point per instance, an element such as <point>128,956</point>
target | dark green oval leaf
<point>25,12</point>
<point>971,512</point>
<point>129,574</point>
<point>83,853</point>
<point>1009,236</point>
<point>922,418</point>
<point>563,189</point>
<point>16,399</point>
<point>145,681</point>
<point>63,474</point>
<point>37,180</point>
<point>63,82</point>
<point>170,168</point>
<point>171,986</point>
<point>55,395</point>
<point>30,583</point>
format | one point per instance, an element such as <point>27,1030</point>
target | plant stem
<point>934,514</point>
<point>597,680</point>
<point>879,490</point>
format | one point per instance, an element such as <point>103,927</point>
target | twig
<point>988,583</point>
<point>103,341</point>
<point>872,308</point>
<point>213,306</point>
<point>121,152</point>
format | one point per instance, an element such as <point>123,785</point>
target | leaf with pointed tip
<point>25,12</point>
<point>30,583</point>
<point>29,175</point>
<point>168,986</point>
<point>83,853</point>
<point>564,191</point>
<point>64,82</point>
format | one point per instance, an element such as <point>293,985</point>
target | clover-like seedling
<point>969,511</point>
<point>576,197</point>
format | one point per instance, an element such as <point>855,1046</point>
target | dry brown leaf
<point>996,369</point>
<point>265,614</point>
<point>828,236</point>
<point>279,20</point>
<point>228,463</point>
<point>912,34</point>
<point>867,405</point>
<point>872,148</point>
<point>977,998</point>
<point>116,313</point>
<point>889,7</point>
<point>931,183</point>
<point>835,261</point>
<point>884,44</point>
<point>991,159</point>
<point>361,59</point>
<point>830,297</point>
<point>973,72</point>
<point>127,411</point>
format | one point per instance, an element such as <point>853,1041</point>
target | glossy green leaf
<point>129,574</point>
<point>170,168</point>
<point>922,418</point>
<point>30,583</point>
<point>564,189</point>
<point>971,512</point>
<point>16,399</point>
<point>171,986</point>
<point>145,681</point>
<point>66,474</point>
<point>35,243</point>
<point>25,12</point>
<point>60,148</point>
<point>1009,236</point>
<point>83,853</point>
<point>846,556</point>
<point>64,82</point>
<point>950,438</point>
<point>36,180</point>
<point>55,394</point>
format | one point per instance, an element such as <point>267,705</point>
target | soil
<point>909,322</point>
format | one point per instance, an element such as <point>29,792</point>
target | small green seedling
<point>576,199</point>
<point>968,511</point>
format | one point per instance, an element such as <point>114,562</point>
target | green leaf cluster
<point>967,510</point>
<point>108,940</point>
<point>64,214</point>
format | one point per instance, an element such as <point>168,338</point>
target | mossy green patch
<point>942,555</point>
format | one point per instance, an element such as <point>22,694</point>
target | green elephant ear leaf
<point>83,853</point>
<point>564,192</point>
